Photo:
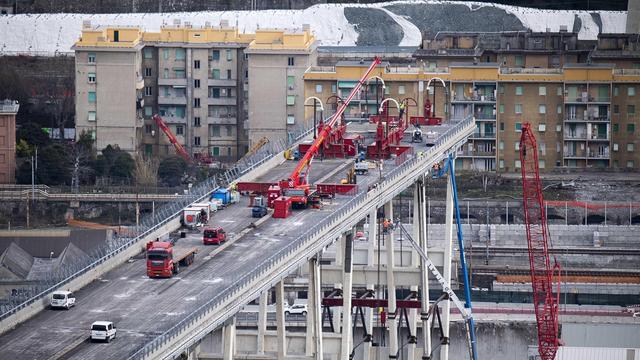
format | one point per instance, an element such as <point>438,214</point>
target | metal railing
<point>150,223</point>
<point>307,239</point>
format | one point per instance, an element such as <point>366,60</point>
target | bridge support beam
<point>413,327</point>
<point>373,236</point>
<point>229,332</point>
<point>446,273</point>
<point>347,286</point>
<point>391,287</point>
<point>314,316</point>
<point>280,321</point>
<point>368,318</point>
<point>262,321</point>
<point>421,233</point>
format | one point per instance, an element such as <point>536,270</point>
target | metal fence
<point>233,290</point>
<point>65,273</point>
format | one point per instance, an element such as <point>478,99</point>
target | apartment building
<point>195,78</point>
<point>8,111</point>
<point>584,113</point>
<point>277,61</point>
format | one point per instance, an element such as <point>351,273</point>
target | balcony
<point>172,81</point>
<point>635,72</point>
<point>222,82</point>
<point>577,136</point>
<point>219,119</point>
<point>172,100</point>
<point>172,119</point>
<point>139,83</point>
<point>222,101</point>
<point>543,71</point>
<point>592,119</point>
<point>595,154</point>
<point>483,136</point>
<point>476,154</point>
<point>475,99</point>
<point>573,155</point>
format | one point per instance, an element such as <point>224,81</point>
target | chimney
<point>633,17</point>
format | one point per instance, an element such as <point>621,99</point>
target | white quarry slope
<point>49,34</point>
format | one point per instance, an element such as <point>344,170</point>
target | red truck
<point>213,236</point>
<point>164,259</point>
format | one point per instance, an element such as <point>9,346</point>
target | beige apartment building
<point>580,98</point>
<point>196,79</point>
<point>8,111</point>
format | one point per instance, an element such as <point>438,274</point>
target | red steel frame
<point>544,302</point>
<point>172,138</point>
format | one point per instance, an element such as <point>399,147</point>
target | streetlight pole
<point>315,104</point>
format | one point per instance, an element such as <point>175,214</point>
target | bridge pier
<point>314,315</point>
<point>280,321</point>
<point>448,240</point>
<point>229,342</point>
<point>367,345</point>
<point>391,287</point>
<point>347,286</point>
<point>262,322</point>
<point>421,232</point>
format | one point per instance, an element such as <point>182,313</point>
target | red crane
<point>544,302</point>
<point>172,138</point>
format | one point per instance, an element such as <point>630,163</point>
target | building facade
<point>195,78</point>
<point>580,98</point>
<point>8,111</point>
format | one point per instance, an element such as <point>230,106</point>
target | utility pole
<point>33,179</point>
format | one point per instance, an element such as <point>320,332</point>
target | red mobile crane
<point>172,138</point>
<point>544,302</point>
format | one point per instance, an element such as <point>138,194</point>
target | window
<point>615,147</point>
<point>631,91</point>
<point>517,164</point>
<point>229,129</point>
<point>92,78</point>
<point>229,55</point>
<point>334,88</point>
<point>291,81</point>
<point>559,91</point>
<point>501,108</point>
<point>91,96</point>
<point>615,127</point>
<point>196,102</point>
<point>401,89</point>
<point>91,116</point>
<point>519,60</point>
<point>542,127</point>
<point>116,35</point>
<point>291,100</point>
<point>501,145</point>
<point>501,125</point>
<point>387,90</point>
<point>166,73</point>
<point>215,131</point>
<point>180,54</point>
<point>215,74</point>
<point>148,128</point>
<point>290,61</point>
<point>246,74</point>
<point>215,55</point>
<point>148,53</point>
<point>91,58</point>
<point>616,109</point>
<point>630,163</point>
<point>542,90</point>
<point>518,126</point>
<point>165,54</point>
<point>518,109</point>
<point>229,74</point>
<point>501,89</point>
<point>214,92</point>
<point>541,164</point>
<point>501,164</point>
<point>631,109</point>
<point>542,147</point>
<point>229,93</point>
<point>558,128</point>
<point>559,109</point>
<point>196,64</point>
<point>179,72</point>
<point>542,109</point>
<point>148,111</point>
<point>148,91</point>
<point>180,111</point>
<point>147,72</point>
<point>519,90</point>
<point>196,83</point>
<point>179,130</point>
<point>196,121</point>
<point>196,141</point>
<point>318,89</point>
<point>167,91</point>
<point>215,151</point>
<point>631,127</point>
<point>291,119</point>
<point>517,145</point>
<point>229,153</point>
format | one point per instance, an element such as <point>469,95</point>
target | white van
<point>62,299</point>
<point>103,330</point>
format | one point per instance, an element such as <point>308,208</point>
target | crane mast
<point>172,138</point>
<point>295,177</point>
<point>544,302</point>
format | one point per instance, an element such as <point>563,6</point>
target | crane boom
<point>172,138</point>
<point>544,302</point>
<point>326,129</point>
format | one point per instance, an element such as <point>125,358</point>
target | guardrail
<point>308,239</point>
<point>147,226</point>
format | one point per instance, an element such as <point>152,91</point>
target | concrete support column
<point>281,338</point>
<point>347,283</point>
<point>373,237</point>
<point>446,273</point>
<point>314,315</point>
<point>229,332</point>
<point>421,222</point>
<point>368,321</point>
<point>391,287</point>
<point>413,326</point>
<point>262,321</point>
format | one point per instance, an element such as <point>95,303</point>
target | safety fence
<point>33,291</point>
<point>308,238</point>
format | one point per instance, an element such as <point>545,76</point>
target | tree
<point>123,166</point>
<point>115,163</point>
<point>23,173</point>
<point>33,135</point>
<point>146,171</point>
<point>54,165</point>
<point>171,170</point>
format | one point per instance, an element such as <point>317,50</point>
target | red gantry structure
<point>544,301</point>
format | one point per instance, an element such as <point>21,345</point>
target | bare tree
<point>145,171</point>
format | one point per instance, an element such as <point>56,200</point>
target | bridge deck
<point>143,308</point>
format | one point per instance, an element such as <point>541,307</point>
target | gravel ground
<point>374,26</point>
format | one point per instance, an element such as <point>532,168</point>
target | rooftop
<point>9,106</point>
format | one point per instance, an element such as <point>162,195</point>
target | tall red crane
<point>544,302</point>
<point>172,138</point>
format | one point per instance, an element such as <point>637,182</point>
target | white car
<point>62,299</point>
<point>296,309</point>
<point>103,330</point>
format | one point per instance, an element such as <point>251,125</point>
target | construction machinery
<point>172,138</point>
<point>164,258</point>
<point>255,147</point>
<point>545,303</point>
<point>417,135</point>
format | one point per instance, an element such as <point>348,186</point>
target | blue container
<point>223,195</point>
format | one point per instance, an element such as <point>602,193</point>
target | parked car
<point>62,299</point>
<point>298,309</point>
<point>103,330</point>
